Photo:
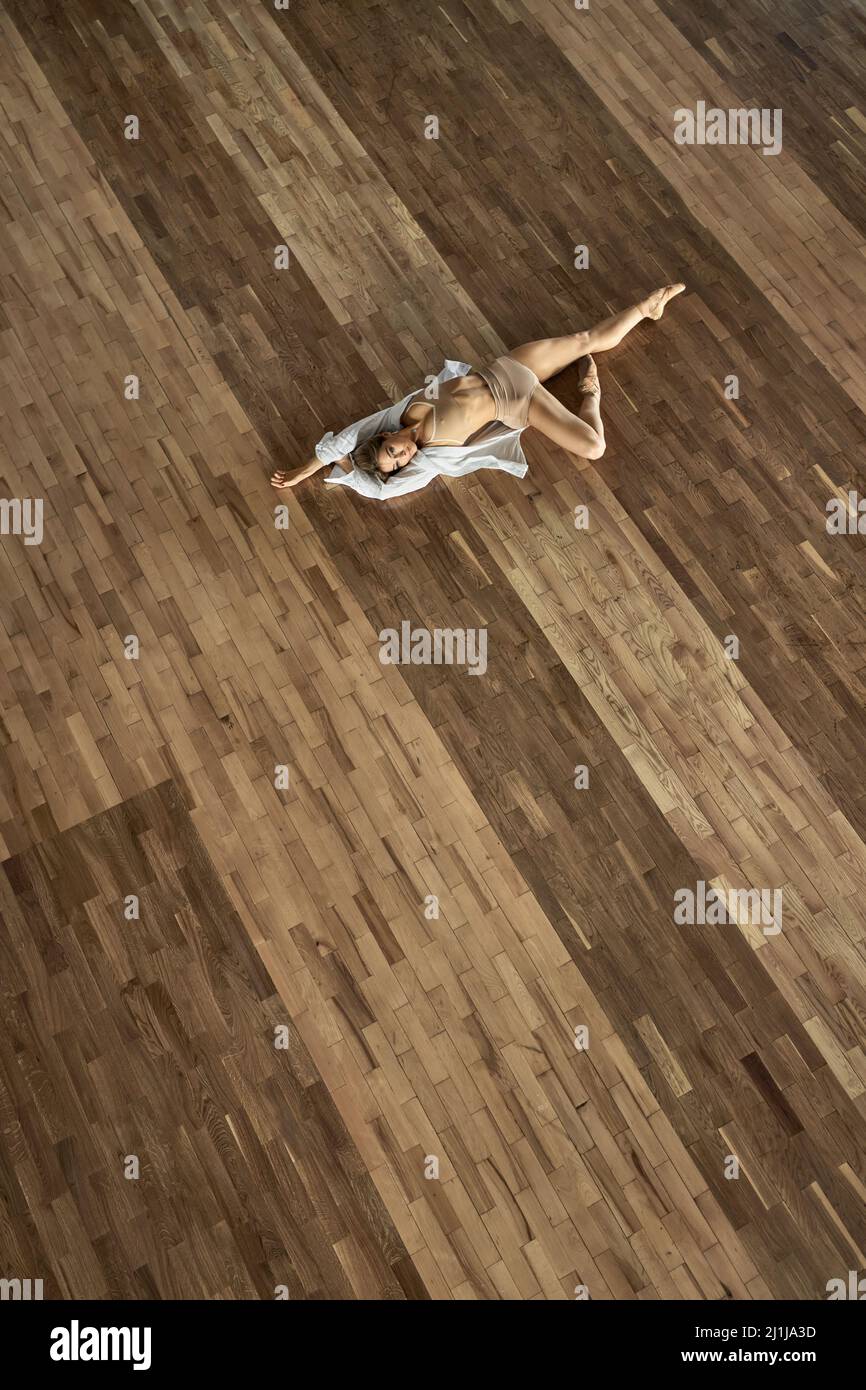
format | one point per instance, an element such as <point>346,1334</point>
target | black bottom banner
<point>82,1339</point>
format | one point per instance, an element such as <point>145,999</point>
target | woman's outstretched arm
<point>291,477</point>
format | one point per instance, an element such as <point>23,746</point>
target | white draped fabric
<point>497,446</point>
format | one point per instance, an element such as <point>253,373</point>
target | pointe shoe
<point>656,303</point>
<point>588,382</point>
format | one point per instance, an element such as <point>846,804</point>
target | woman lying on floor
<point>470,418</point>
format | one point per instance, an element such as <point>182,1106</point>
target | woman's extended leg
<point>581,434</point>
<point>548,356</point>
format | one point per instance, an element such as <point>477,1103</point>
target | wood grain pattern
<point>154,1038</point>
<point>449,1037</point>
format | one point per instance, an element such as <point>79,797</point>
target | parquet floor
<point>301,912</point>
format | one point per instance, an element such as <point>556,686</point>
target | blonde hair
<point>366,456</point>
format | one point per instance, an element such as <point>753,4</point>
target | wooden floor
<point>285,1037</point>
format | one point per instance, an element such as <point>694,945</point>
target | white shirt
<point>497,446</point>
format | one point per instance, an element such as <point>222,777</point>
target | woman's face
<point>396,450</point>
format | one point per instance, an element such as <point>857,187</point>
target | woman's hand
<point>284,478</point>
<point>281,479</point>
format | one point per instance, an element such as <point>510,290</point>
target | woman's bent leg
<point>581,434</point>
